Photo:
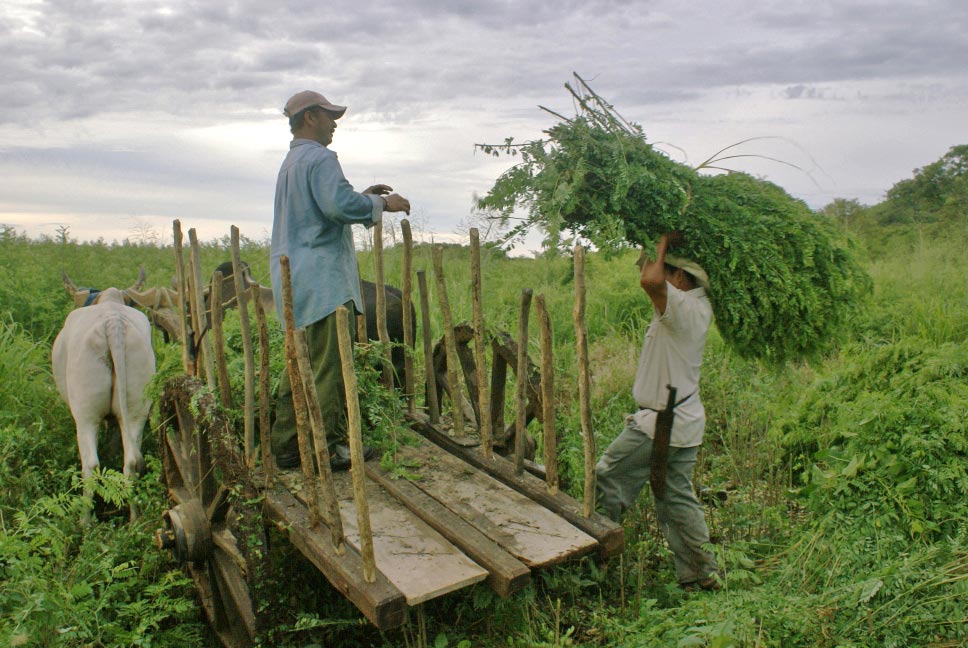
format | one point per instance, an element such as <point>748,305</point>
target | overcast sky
<point>120,116</point>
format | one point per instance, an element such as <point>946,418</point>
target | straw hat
<point>693,268</point>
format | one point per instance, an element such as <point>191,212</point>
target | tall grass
<point>822,538</point>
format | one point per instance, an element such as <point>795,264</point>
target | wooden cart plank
<point>412,555</point>
<point>506,574</point>
<point>610,536</point>
<point>418,560</point>
<point>528,531</point>
<point>382,603</point>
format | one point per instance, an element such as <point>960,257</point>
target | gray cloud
<point>447,69</point>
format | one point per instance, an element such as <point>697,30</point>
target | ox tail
<point>115,334</point>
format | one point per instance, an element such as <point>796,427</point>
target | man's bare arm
<point>652,279</point>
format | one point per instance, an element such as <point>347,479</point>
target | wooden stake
<point>483,389</point>
<point>361,334</point>
<point>407,289</point>
<point>547,397</point>
<point>188,353</point>
<point>356,445</point>
<point>381,305</point>
<point>199,316</point>
<point>433,406</point>
<point>242,295</point>
<point>265,432</point>
<point>584,382</point>
<point>521,409</point>
<point>328,489</point>
<point>299,390</point>
<point>218,341</point>
<point>450,344</point>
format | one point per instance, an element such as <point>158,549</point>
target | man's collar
<point>303,142</point>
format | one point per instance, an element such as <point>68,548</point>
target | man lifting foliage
<point>660,441</point>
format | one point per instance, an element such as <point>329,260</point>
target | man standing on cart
<point>315,207</point>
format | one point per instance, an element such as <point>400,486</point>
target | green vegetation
<point>835,489</point>
<point>783,281</point>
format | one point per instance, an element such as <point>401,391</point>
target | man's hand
<point>396,203</point>
<point>652,278</point>
<point>378,190</point>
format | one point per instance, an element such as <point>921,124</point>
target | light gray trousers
<point>624,470</point>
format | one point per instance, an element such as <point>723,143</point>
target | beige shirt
<point>672,355</point>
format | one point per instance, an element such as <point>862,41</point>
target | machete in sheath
<point>660,445</point>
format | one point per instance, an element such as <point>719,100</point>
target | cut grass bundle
<point>784,281</point>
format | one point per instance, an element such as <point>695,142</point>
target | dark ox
<point>394,302</point>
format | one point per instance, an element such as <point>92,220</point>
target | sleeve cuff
<point>377,208</point>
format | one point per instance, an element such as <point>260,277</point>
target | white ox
<point>102,361</point>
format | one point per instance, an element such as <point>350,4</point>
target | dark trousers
<point>324,359</point>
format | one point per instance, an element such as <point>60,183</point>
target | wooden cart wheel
<point>213,528</point>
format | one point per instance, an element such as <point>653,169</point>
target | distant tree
<point>63,234</point>
<point>143,232</point>
<point>938,191</point>
<point>844,212</point>
<point>490,225</point>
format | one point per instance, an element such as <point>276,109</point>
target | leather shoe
<point>710,584</point>
<point>339,457</point>
<point>288,457</point>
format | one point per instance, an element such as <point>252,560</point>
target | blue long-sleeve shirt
<point>314,208</point>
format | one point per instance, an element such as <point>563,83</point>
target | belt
<point>677,404</point>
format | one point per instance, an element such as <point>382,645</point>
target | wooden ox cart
<point>386,544</point>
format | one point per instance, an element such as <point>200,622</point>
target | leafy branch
<point>782,280</point>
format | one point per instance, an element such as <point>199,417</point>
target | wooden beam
<point>433,406</point>
<point>248,355</point>
<point>298,391</point>
<point>381,305</point>
<point>188,357</point>
<point>411,554</point>
<point>218,342</point>
<point>355,433</point>
<point>483,393</point>
<point>381,602</point>
<point>199,316</point>
<point>265,431</point>
<point>418,560</point>
<point>521,409</point>
<point>547,397</point>
<point>449,343</point>
<point>610,535</point>
<point>327,492</point>
<point>524,528</point>
<point>506,574</point>
<point>584,382</point>
<point>408,332</point>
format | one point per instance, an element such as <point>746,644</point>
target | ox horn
<point>139,284</point>
<point>69,285</point>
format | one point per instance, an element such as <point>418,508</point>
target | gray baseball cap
<point>307,99</point>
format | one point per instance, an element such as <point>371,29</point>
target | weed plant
<point>842,523</point>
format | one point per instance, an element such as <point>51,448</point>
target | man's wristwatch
<point>386,205</point>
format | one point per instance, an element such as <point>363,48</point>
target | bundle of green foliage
<point>783,280</point>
